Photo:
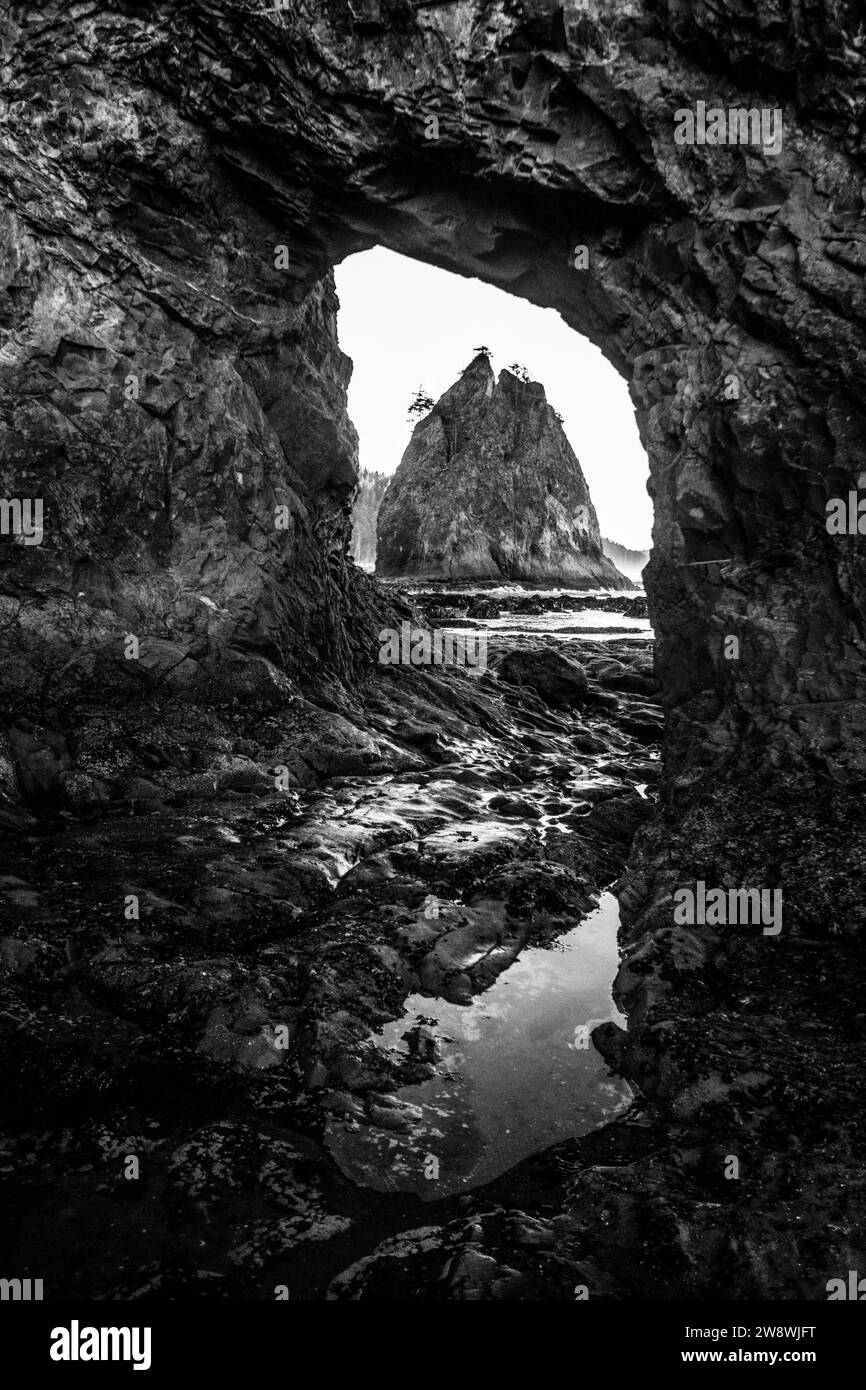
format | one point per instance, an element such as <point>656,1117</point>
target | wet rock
<point>515,806</point>
<point>271,1241</point>
<point>489,1258</point>
<point>636,607</point>
<point>558,679</point>
<point>237,773</point>
<point>84,794</point>
<point>20,898</point>
<point>483,608</point>
<point>643,724</point>
<point>612,1043</point>
<point>224,1161</point>
<point>19,958</point>
<point>423,1043</point>
<point>245,1038</point>
<point>162,662</point>
<point>40,759</point>
<point>139,790</point>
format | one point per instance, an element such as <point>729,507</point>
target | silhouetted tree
<point>421,403</point>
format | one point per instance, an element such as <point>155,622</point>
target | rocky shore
<point>195,984</point>
<point>193,977</point>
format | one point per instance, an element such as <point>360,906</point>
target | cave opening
<point>481,414</point>
<point>411,329</point>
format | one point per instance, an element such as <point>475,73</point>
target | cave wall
<point>154,159</point>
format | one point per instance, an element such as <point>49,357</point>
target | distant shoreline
<point>467,586</point>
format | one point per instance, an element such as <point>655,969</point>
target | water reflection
<point>516,1072</point>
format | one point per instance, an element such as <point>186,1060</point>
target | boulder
<point>556,678</point>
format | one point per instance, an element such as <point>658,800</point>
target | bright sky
<point>406,324</point>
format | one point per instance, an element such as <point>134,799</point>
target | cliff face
<point>490,488</point>
<point>195,466</point>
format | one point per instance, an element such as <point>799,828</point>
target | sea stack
<point>490,488</point>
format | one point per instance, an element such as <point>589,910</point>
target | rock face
<point>490,488</point>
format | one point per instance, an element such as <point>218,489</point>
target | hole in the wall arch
<point>408,324</point>
<point>486,139</point>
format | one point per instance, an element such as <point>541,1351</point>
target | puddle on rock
<point>516,1072</point>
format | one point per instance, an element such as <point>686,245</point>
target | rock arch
<point>491,139</point>
<point>166,385</point>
